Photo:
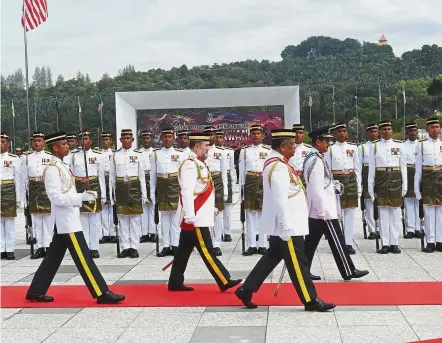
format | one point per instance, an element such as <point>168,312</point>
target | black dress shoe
<point>33,241</point>
<point>262,251</point>
<point>144,239</point>
<point>164,252</point>
<point>153,238</point>
<point>40,253</point>
<point>395,249</point>
<point>217,252</point>
<point>125,253</point>
<point>378,234</point>
<point>173,250</point>
<point>134,253</point>
<point>384,250</point>
<point>180,288</point>
<point>250,252</point>
<point>113,239</point>
<point>10,256</point>
<point>371,235</point>
<point>230,284</point>
<point>314,277</point>
<point>409,235</point>
<point>110,298</point>
<point>37,297</point>
<point>418,234</point>
<point>4,255</point>
<point>318,305</point>
<point>104,240</point>
<point>227,238</point>
<point>245,297</point>
<point>95,254</point>
<point>359,273</point>
<point>430,248</point>
<point>438,246</point>
<point>257,238</point>
<point>350,250</point>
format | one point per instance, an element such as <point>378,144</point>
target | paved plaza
<point>224,324</point>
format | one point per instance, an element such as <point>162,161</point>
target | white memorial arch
<point>127,103</point>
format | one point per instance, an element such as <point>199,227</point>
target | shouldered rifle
<point>243,219</point>
<point>364,216</point>
<point>117,235</point>
<point>403,217</point>
<point>157,220</point>
<point>28,226</point>
<point>378,226</point>
<point>422,220</point>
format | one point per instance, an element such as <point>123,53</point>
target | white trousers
<point>253,219</point>
<point>217,230</point>
<point>7,234</point>
<point>130,231</point>
<point>227,219</point>
<point>412,220</point>
<point>148,220</point>
<point>349,224</point>
<point>390,225</point>
<point>369,215</point>
<point>433,223</point>
<point>43,225</point>
<point>107,221</point>
<point>170,228</point>
<point>91,224</point>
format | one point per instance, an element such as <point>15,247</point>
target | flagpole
<point>101,114</point>
<point>35,113</point>
<point>395,105</point>
<point>26,72</point>
<point>357,115</point>
<point>57,110</point>
<point>405,101</point>
<point>380,104</point>
<point>310,103</point>
<point>334,117</point>
<point>13,127</point>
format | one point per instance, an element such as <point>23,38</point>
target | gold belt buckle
<point>39,178</point>
<point>345,171</point>
<point>126,178</point>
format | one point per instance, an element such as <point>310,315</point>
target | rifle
<point>116,223</point>
<point>28,226</point>
<point>404,231</point>
<point>243,229</point>
<point>157,220</point>
<point>378,226</point>
<point>422,220</point>
<point>364,215</point>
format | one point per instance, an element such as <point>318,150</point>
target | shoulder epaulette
<point>245,147</point>
<point>118,149</point>
<point>422,140</point>
<point>191,157</point>
<point>351,143</point>
<point>397,141</point>
<point>307,145</point>
<point>227,148</point>
<point>12,155</point>
<point>375,141</point>
<point>137,150</point>
<point>113,150</point>
<point>268,147</point>
<point>75,151</point>
<point>156,149</point>
<point>27,152</point>
<point>179,149</point>
<point>52,162</point>
<point>221,147</point>
<point>48,152</point>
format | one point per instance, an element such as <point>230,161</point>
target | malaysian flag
<point>35,12</point>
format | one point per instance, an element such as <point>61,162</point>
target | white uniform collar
<point>256,146</point>
<point>386,140</point>
<point>433,140</point>
<point>127,150</point>
<point>339,143</point>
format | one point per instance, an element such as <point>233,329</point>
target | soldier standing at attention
<point>301,151</point>
<point>411,204</point>
<point>164,189</point>
<point>251,163</point>
<point>73,147</point>
<point>11,188</point>
<point>129,187</point>
<point>363,153</point>
<point>183,143</point>
<point>32,170</point>
<point>387,183</point>
<point>428,184</point>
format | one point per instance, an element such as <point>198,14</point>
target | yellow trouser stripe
<point>209,257</point>
<point>298,271</point>
<point>84,264</point>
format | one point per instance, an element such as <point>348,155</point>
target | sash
<point>198,202</point>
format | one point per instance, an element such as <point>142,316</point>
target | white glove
<point>338,187</point>
<point>153,200</point>
<point>285,235</point>
<point>371,196</point>
<point>89,196</point>
<point>144,200</point>
<point>18,203</point>
<point>226,196</point>
<point>216,211</point>
<point>404,191</point>
<point>418,195</point>
<point>103,201</point>
<point>190,220</point>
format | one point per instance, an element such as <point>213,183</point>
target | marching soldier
<point>129,188</point>
<point>387,183</point>
<point>148,228</point>
<point>65,204</point>
<point>301,151</point>
<point>285,219</point>
<point>428,184</point>
<point>183,143</point>
<point>107,220</point>
<point>343,161</point>
<point>164,189</point>
<point>411,204</point>
<point>251,163</point>
<point>10,199</point>
<point>90,215</point>
<point>364,157</point>
<point>323,209</point>
<point>73,147</point>
<point>231,180</point>
<point>196,209</point>
<point>217,163</point>
<point>32,170</point>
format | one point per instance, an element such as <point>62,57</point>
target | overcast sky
<point>98,36</point>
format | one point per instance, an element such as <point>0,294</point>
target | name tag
<point>350,153</point>
<point>395,151</point>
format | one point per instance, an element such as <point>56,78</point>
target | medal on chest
<point>174,158</point>
<point>92,160</point>
<point>304,154</point>
<point>350,153</point>
<point>216,155</point>
<point>7,164</point>
<point>262,155</point>
<point>395,151</point>
<point>133,159</point>
<point>45,161</point>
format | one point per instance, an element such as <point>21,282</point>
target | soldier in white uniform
<point>411,204</point>
<point>183,143</point>
<point>217,163</point>
<point>164,189</point>
<point>387,183</point>
<point>73,147</point>
<point>342,157</point>
<point>90,215</point>
<point>231,180</point>
<point>363,153</point>
<point>285,219</point>
<point>11,188</point>
<point>428,184</point>
<point>196,209</point>
<point>107,221</point>
<point>251,163</point>
<point>148,228</point>
<point>32,170</point>
<point>301,151</point>
<point>65,205</point>
<point>129,189</point>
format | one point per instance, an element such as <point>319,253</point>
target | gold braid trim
<point>293,178</point>
<point>207,180</point>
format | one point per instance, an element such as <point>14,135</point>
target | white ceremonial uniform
<point>9,171</point>
<point>162,163</point>
<point>107,218</point>
<point>90,222</point>
<point>68,158</point>
<point>217,163</point>
<point>429,154</point>
<point>231,172</point>
<point>411,205</point>
<point>126,163</point>
<point>33,166</point>
<point>381,156</point>
<point>186,153</point>
<point>364,155</point>
<point>343,158</point>
<point>148,216</point>
<point>252,159</point>
<point>297,161</point>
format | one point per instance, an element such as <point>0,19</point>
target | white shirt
<point>428,153</point>
<point>186,153</point>
<point>146,158</point>
<point>297,161</point>
<point>320,187</point>
<point>33,165</point>
<point>67,159</point>
<point>364,153</point>
<point>107,155</point>
<point>217,162</point>
<point>230,157</point>
<point>410,151</point>
<point>252,159</point>
<point>164,161</point>
<point>10,170</point>
<point>284,204</point>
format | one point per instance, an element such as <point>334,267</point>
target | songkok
<point>199,137</point>
<point>371,127</point>
<point>146,133</point>
<point>84,133</point>
<point>411,125</point>
<point>38,134</point>
<point>183,133</point>
<point>126,132</point>
<point>219,132</point>
<point>321,133</point>
<point>433,120</point>
<point>282,134</point>
<point>4,135</point>
<point>55,137</point>
<point>106,135</point>
<point>384,123</point>
<point>298,127</point>
<point>167,130</point>
<point>209,129</point>
<point>339,126</point>
<point>256,127</point>
<point>71,136</point>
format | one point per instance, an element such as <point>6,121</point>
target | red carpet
<point>155,295</point>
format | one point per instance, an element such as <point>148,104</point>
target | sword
<point>28,226</point>
<point>278,286</point>
<point>167,265</point>
<point>378,226</point>
<point>403,217</point>
<point>116,223</point>
<point>243,228</point>
<point>157,220</point>
<point>422,220</point>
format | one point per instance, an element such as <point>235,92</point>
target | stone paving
<point>225,324</point>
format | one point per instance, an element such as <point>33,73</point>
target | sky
<point>102,36</point>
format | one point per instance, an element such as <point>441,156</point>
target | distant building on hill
<point>383,41</point>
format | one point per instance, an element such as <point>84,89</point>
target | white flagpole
<point>13,127</point>
<point>405,101</point>
<point>357,115</point>
<point>310,103</point>
<point>26,71</point>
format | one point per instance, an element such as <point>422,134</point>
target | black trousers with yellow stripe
<point>201,239</point>
<point>80,253</point>
<point>292,252</point>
